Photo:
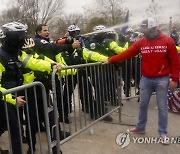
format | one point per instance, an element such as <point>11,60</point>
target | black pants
<point>33,115</point>
<point>105,87</point>
<point>13,123</point>
<point>127,76</point>
<point>85,92</point>
<point>136,71</point>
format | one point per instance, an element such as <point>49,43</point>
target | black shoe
<point>138,99</point>
<point>94,117</point>
<point>31,150</point>
<point>108,119</point>
<point>85,110</point>
<point>132,84</point>
<point>4,151</point>
<point>65,120</point>
<point>24,139</point>
<point>137,93</point>
<point>54,150</point>
<point>24,122</point>
<point>42,127</point>
<point>64,134</point>
<point>127,95</point>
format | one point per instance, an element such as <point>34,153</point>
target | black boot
<point>4,151</point>
<point>108,118</point>
<point>63,134</point>
<point>42,127</point>
<point>31,150</point>
<point>54,149</point>
<point>24,139</point>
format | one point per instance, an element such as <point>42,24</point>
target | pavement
<point>101,139</point>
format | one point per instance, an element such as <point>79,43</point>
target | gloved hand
<point>69,40</point>
<point>106,43</point>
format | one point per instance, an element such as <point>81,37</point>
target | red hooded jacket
<point>159,56</point>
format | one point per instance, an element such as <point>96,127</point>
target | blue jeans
<point>147,87</point>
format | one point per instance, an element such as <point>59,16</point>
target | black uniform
<point>12,77</point>
<point>97,43</point>
<point>43,47</point>
<point>50,50</point>
<point>84,85</point>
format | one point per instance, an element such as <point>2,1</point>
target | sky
<point>136,7</point>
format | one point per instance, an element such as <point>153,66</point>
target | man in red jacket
<point>160,71</point>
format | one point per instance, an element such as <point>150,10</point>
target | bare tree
<point>33,12</point>
<point>12,14</point>
<point>110,10</point>
<point>177,16</point>
<point>154,10</point>
<point>60,26</point>
<point>49,9</point>
<point>94,22</point>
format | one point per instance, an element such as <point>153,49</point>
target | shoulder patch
<point>44,42</point>
<point>92,46</point>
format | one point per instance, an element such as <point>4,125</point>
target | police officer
<point>175,35</point>
<point>104,41</point>
<point>50,50</point>
<point>43,66</point>
<point>43,45</point>
<point>74,57</point>
<point>12,61</point>
<point>14,36</point>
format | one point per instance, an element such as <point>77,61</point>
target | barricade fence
<point>35,111</point>
<point>131,75</point>
<point>80,96</point>
<point>87,96</point>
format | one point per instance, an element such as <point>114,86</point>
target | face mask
<point>74,33</point>
<point>150,33</point>
<point>15,40</point>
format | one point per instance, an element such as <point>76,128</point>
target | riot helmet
<point>111,34</point>
<point>73,30</point>
<point>100,33</point>
<point>99,28</point>
<point>15,34</point>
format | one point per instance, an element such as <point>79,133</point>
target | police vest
<point>74,58</point>
<point>98,47</point>
<point>12,76</point>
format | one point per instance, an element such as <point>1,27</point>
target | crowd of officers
<point>24,60</point>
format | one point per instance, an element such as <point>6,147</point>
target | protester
<point>175,35</point>
<point>160,71</point>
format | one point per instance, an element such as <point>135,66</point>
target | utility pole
<point>170,25</point>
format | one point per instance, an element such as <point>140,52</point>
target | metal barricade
<point>32,113</point>
<point>87,96</point>
<point>131,75</point>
